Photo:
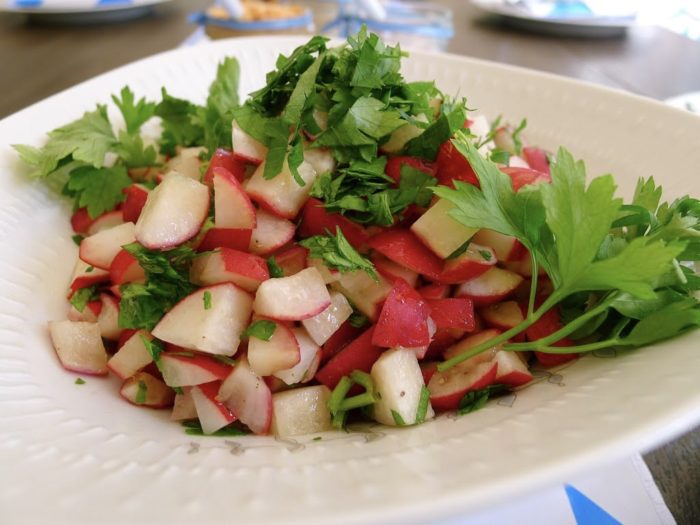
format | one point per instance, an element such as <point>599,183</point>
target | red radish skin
<point>448,388</point>
<point>434,291</point>
<point>136,196</point>
<point>361,354</point>
<point>475,261</point>
<point>451,166</point>
<point>126,269</point>
<point>546,325</point>
<point>339,340</point>
<point>309,359</point>
<point>537,159</point>
<point>392,271</point>
<point>223,158</point>
<point>520,176</point>
<point>404,248</point>
<point>428,369</point>
<point>316,220</point>
<point>457,312</point>
<point>512,370</point>
<point>81,221</point>
<point>394,165</point>
<point>85,275</point>
<point>403,320</point>
<point>234,238</point>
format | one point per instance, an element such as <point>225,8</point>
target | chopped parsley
<point>274,268</point>
<point>83,296</point>
<point>263,330</point>
<point>80,381</point>
<point>206,297</point>
<point>141,393</point>
<point>338,254</point>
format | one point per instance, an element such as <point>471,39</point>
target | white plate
<point>80,11</point>
<point>80,454</point>
<point>520,17</point>
<point>687,101</point>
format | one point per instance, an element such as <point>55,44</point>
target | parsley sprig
<point>338,254</point>
<point>572,230</point>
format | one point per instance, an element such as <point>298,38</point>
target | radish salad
<point>346,245</point>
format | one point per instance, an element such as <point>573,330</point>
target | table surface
<point>41,59</point>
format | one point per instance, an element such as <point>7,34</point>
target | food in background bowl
<point>259,18</point>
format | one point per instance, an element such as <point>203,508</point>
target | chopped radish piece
<point>399,138</point>
<point>100,249</point>
<point>187,162</point>
<point>512,370</point>
<point>453,166</point>
<point>89,313</point>
<point>281,352</point>
<point>232,206</point>
<point>79,346</point>
<point>85,275</point>
<point>106,221</point>
<point>490,287</point>
<point>301,411</point>
<point>174,212</point>
<point>214,330</point>
<point>108,320</point>
<point>322,326</point>
<point>434,291</point>
<point>475,261</point>
<point>451,312</point>
<point>183,406</point>
<point>364,292</point>
<point>223,158</point>
<point>399,382</point>
<point>132,356</point>
<point>437,230</point>
<point>126,269</point>
<point>179,369</point>
<point>320,159</point>
<point>212,413</point>
<point>316,220</point>
<point>502,316</point>
<point>329,276</point>
<point>403,320</point>
<point>309,359</point>
<point>394,165</point>
<point>292,298</point>
<point>523,176</point>
<point>81,221</point>
<point>506,247</point>
<point>393,271</point>
<point>136,196</point>
<point>339,340</point>
<point>536,159</point>
<point>472,341</point>
<point>225,265</point>
<point>361,354</point>
<point>145,390</point>
<point>234,238</point>
<point>281,194</point>
<point>448,388</point>
<point>270,233</point>
<point>404,248</point>
<point>291,260</point>
<point>247,395</point>
<point>246,147</point>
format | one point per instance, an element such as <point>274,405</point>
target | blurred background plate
<point>79,11</point>
<point>562,18</point>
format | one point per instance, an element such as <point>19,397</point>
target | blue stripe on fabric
<point>28,3</point>
<point>586,511</point>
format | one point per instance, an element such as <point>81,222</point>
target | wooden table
<point>39,60</point>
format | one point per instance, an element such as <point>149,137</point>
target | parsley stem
<point>533,283</point>
<point>552,300</point>
<point>579,349</point>
<point>567,329</point>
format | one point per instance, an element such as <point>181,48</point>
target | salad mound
<point>347,245</point>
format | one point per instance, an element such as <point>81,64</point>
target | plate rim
<point>645,436</point>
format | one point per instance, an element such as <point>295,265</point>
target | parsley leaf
<point>180,122</point>
<point>206,298</point>
<point>274,268</point>
<point>87,140</point>
<point>476,399</point>
<point>97,189</point>
<point>337,253</point>
<point>427,144</point>
<point>167,281</point>
<point>83,296</point>
<point>135,113</point>
<point>133,152</point>
<point>263,330</point>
